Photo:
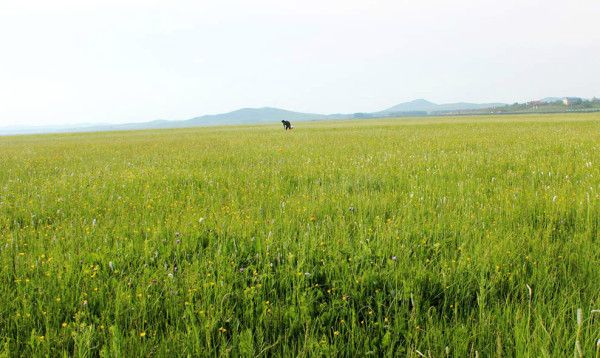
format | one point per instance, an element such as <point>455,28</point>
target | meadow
<point>435,237</point>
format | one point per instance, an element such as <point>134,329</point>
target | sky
<point>118,61</point>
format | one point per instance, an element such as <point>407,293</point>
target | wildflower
<point>307,274</point>
<point>142,334</point>
<point>336,333</point>
<point>200,220</point>
<point>64,325</point>
<point>222,330</point>
<point>394,258</point>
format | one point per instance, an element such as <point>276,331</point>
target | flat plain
<point>462,237</point>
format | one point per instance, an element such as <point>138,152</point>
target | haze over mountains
<point>260,115</point>
<point>430,107</point>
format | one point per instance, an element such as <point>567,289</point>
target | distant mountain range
<point>265,115</point>
<point>551,99</point>
<point>240,116</point>
<point>430,107</point>
<point>259,115</point>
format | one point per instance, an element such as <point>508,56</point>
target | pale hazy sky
<point>114,61</point>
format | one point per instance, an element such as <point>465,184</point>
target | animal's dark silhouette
<point>286,125</point>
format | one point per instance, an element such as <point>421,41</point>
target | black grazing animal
<point>286,125</point>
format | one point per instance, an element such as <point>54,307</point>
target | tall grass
<point>460,237</point>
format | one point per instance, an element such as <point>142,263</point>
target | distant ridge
<point>418,107</point>
<point>240,116</point>
<point>551,99</point>
<point>430,107</point>
<point>254,115</point>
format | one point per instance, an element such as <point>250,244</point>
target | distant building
<point>569,101</point>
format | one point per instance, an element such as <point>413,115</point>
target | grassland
<point>442,237</point>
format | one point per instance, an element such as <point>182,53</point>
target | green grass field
<point>461,237</point>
